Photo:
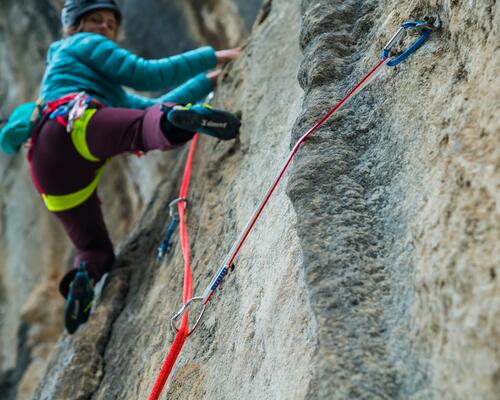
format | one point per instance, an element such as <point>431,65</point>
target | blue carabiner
<point>165,246</point>
<point>426,29</point>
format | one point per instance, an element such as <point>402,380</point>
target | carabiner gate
<point>393,41</point>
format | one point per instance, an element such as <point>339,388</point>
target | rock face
<point>373,272</point>
<point>400,240</point>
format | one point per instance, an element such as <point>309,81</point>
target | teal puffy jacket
<point>95,64</point>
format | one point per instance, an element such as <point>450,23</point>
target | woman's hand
<point>225,56</point>
<point>214,76</point>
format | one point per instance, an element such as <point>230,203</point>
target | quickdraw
<point>165,246</point>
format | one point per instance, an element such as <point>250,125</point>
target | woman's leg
<point>113,131</point>
<point>59,170</point>
<point>85,227</point>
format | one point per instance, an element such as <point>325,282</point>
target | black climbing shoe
<point>205,119</point>
<point>79,301</point>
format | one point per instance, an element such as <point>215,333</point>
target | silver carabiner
<point>183,310</point>
<point>171,207</point>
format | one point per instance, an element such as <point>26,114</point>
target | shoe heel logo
<point>211,124</point>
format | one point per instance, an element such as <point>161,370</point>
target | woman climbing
<point>88,118</point>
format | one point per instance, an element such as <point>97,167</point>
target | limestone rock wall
<point>400,243</point>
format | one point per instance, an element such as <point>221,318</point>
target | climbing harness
<point>171,227</point>
<point>227,265</point>
<point>73,106</point>
<point>79,109</point>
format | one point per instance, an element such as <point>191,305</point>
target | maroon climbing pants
<point>58,169</point>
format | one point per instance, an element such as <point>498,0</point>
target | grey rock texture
<point>399,231</point>
<point>373,274</point>
<point>34,252</point>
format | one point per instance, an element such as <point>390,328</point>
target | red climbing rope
<point>183,331</point>
<point>228,262</point>
<point>359,86</point>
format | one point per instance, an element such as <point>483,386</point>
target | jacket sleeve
<point>140,102</point>
<point>192,91</point>
<point>125,68</point>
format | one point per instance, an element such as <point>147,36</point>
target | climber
<point>87,118</point>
